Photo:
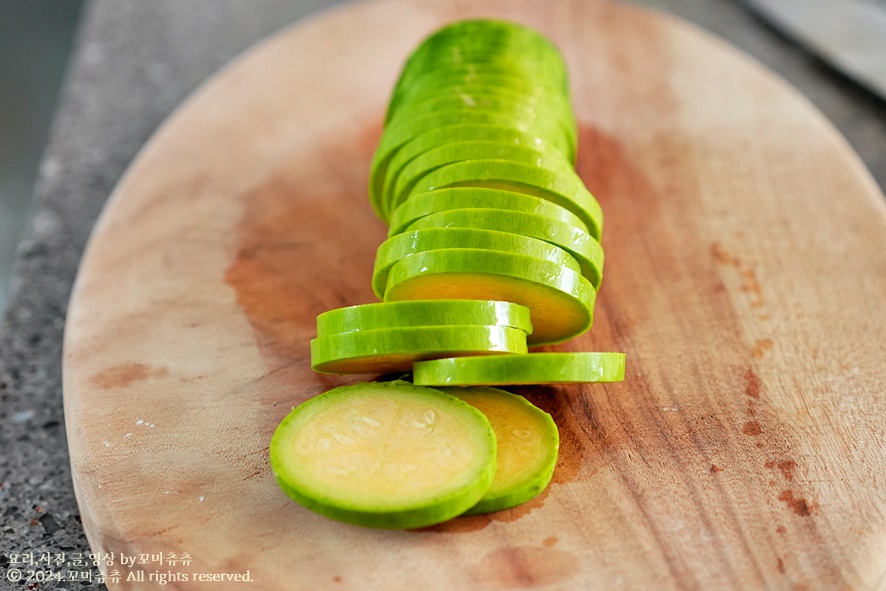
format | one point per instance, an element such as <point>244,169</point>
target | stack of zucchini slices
<point>474,175</point>
<point>493,247</point>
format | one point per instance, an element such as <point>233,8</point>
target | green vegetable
<point>528,444</point>
<point>565,190</point>
<point>480,94</point>
<point>388,455</point>
<point>560,300</point>
<point>403,245</point>
<point>493,245</point>
<point>387,350</point>
<point>479,43</point>
<point>430,202</point>
<point>422,313</point>
<point>578,243</point>
<point>448,134</point>
<point>402,131</point>
<point>534,368</point>
<point>449,153</point>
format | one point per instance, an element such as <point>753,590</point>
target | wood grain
<point>745,273</point>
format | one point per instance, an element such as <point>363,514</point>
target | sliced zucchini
<point>387,350</point>
<point>423,313</point>
<point>560,300</point>
<point>429,202</point>
<point>408,243</point>
<point>578,243</point>
<point>548,69</point>
<point>566,190</point>
<point>533,368</point>
<point>401,132</point>
<point>459,132</point>
<point>431,99</point>
<point>471,150</point>
<point>457,82</point>
<point>387,455</point>
<point>528,444</point>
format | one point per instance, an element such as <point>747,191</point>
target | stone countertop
<point>134,62</point>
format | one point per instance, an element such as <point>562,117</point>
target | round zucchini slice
<point>482,96</point>
<point>438,200</point>
<point>387,455</point>
<point>548,69</point>
<point>553,105</point>
<point>459,132</point>
<point>560,300</point>
<point>406,244</point>
<point>566,190</point>
<point>532,368</point>
<point>423,313</point>
<point>455,82</point>
<point>388,350</point>
<point>472,150</point>
<point>582,246</point>
<point>404,130</point>
<point>470,38</point>
<point>527,441</point>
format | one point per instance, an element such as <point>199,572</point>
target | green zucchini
<point>388,350</point>
<point>578,243</point>
<point>387,455</point>
<point>423,313</point>
<point>459,132</point>
<point>566,190</point>
<point>560,300</point>
<point>406,244</point>
<point>533,368</point>
<point>430,202</point>
<point>471,150</point>
<point>528,444</point>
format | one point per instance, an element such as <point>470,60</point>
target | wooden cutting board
<point>745,280</point>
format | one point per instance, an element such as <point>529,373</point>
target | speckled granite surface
<point>134,63</point>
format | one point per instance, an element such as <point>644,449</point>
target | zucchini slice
<point>387,455</point>
<point>566,190</point>
<point>422,204</point>
<point>403,245</point>
<point>528,444</point>
<point>472,150</point>
<point>422,313</point>
<point>557,105</point>
<point>459,132</point>
<point>456,82</point>
<point>560,300</point>
<point>399,133</point>
<point>533,368</point>
<point>466,40</point>
<point>574,240</point>
<point>387,350</point>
